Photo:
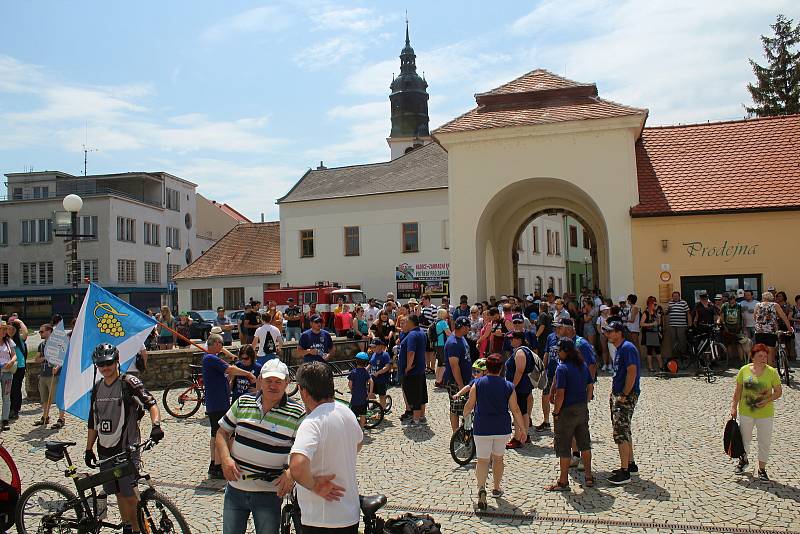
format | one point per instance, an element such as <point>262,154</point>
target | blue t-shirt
<point>456,347</point>
<point>321,341</point>
<point>573,379</point>
<point>415,341</point>
<point>458,312</point>
<point>360,379</point>
<point>492,417</point>
<point>441,326</point>
<point>241,384</point>
<point>586,349</point>
<point>524,386</point>
<point>218,395</point>
<point>626,355</point>
<point>551,348</point>
<point>378,361</point>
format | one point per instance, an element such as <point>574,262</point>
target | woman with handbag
<point>758,386</point>
<point>8,366</point>
<point>651,328</point>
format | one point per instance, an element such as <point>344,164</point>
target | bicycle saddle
<point>54,445</point>
<point>370,504</point>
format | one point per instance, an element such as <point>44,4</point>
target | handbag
<point>13,368</point>
<point>732,439</point>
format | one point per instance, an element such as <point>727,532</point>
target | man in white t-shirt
<point>371,312</point>
<point>323,458</point>
<point>748,308</point>
<point>267,339</point>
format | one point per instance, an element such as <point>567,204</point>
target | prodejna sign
<point>725,250</point>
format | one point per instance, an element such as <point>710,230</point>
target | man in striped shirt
<point>678,318</point>
<point>263,427</point>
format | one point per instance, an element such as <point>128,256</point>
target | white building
<point>540,264</point>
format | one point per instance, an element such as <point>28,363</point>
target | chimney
<point>321,166</point>
<point>262,216</point>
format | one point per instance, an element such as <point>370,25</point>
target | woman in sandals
<point>572,390</point>
<point>492,397</point>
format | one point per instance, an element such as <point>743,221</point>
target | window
<point>201,299</point>
<point>535,233</point>
<point>574,279</point>
<point>126,271</point>
<point>3,274</point>
<point>126,229</point>
<point>37,273</point>
<point>3,233</point>
<point>233,298</point>
<point>173,199</point>
<point>41,191</point>
<point>152,272</point>
<point>586,243</point>
<point>309,297</point>
<point>352,243</point>
<point>549,243</point>
<point>87,225</point>
<point>151,234</point>
<point>446,234</point>
<point>306,243</point>
<point>573,236</point>
<point>551,283</point>
<point>538,287</point>
<point>172,268</point>
<point>16,194</point>
<point>560,287</point>
<point>86,269</point>
<point>521,286</point>
<point>174,237</point>
<point>410,237</point>
<point>37,231</point>
<point>557,241</point>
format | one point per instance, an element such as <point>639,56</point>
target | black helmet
<point>105,352</point>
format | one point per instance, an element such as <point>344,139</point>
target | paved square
<point>686,483</point>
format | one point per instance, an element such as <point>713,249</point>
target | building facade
<point>540,256</point>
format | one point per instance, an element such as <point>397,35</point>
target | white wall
<point>538,263</point>
<point>379,218</point>
<point>253,287</point>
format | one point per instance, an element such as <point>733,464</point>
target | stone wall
<point>166,366</point>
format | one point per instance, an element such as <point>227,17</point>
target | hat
<point>412,300</point>
<point>529,298</point>
<point>740,292</point>
<point>276,368</point>
<point>363,356</point>
<point>462,321</point>
<point>566,345</point>
<point>517,318</point>
<point>603,308</point>
<point>717,297</point>
<point>517,335</point>
<point>565,321</point>
<point>290,299</point>
<point>503,298</point>
<point>479,364</point>
<point>220,308</point>
<point>315,319</point>
<point>771,289</point>
<point>534,316</point>
<point>215,330</point>
<point>622,299</point>
<point>377,342</point>
<point>614,326</point>
<point>704,293</point>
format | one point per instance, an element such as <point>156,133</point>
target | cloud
<point>357,19</point>
<point>329,52</point>
<point>258,19</point>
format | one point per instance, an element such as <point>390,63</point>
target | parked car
<point>235,316</point>
<point>202,322</point>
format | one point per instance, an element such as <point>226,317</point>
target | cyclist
<point>114,412</point>
<point>457,368</point>
<point>361,387</point>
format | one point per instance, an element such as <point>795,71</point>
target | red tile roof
<point>248,249</point>
<point>718,167</point>
<point>538,97</point>
<point>230,212</point>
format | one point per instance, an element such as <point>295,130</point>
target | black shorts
<point>522,400</point>
<point>429,346</point>
<point>213,418</point>
<point>359,409</point>
<point>416,390</point>
<point>768,339</point>
<point>380,389</point>
<point>440,356</point>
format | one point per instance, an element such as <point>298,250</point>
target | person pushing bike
<point>116,406</point>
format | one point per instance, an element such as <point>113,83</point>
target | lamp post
<point>586,261</point>
<point>169,281</point>
<point>73,204</point>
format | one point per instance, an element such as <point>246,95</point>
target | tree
<point>777,91</point>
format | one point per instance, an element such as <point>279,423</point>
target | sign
<point>665,276</point>
<point>725,250</point>
<point>415,279</point>
<point>56,347</point>
<point>664,292</point>
<point>422,271</point>
<point>171,287</point>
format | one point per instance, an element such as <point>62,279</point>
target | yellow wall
<point>758,243</point>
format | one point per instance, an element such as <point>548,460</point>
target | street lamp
<point>586,261</point>
<point>73,204</point>
<point>169,287</point>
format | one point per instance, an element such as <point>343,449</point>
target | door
<point>692,286</point>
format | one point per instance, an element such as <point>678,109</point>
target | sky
<point>243,97</point>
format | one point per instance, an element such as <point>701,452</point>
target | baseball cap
<point>503,298</point>
<point>462,321</point>
<point>566,345</point>
<point>614,326</point>
<point>276,368</point>
<point>377,342</point>
<point>290,299</point>
<point>517,318</point>
<point>529,298</point>
<point>740,292</point>
<point>565,321</point>
<point>603,308</point>
<point>717,297</point>
<point>315,319</point>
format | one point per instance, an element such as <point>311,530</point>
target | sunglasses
<point>106,363</point>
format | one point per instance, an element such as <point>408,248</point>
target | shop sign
<point>414,279</point>
<point>722,250</point>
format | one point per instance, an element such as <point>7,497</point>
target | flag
<point>103,318</point>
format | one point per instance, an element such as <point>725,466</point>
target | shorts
<point>47,387</point>
<point>380,389</point>
<point>653,351</point>
<point>416,390</point>
<point>572,422</point>
<point>213,418</point>
<point>359,409</point>
<point>550,380</point>
<point>125,486</point>
<point>486,446</point>
<point>621,415</point>
<point>767,338</point>
<point>428,342</point>
<point>522,400</point>
<point>456,405</point>
<point>440,356</point>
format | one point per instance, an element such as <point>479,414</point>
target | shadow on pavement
<point>590,501</point>
<point>501,508</point>
<point>531,450</point>
<point>419,433</point>
<point>781,491</point>
<point>647,490</point>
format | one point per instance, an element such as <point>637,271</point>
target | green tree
<point>777,91</point>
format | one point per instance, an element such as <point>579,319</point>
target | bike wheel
<point>388,406</point>
<point>10,489</point>
<point>157,514</point>
<point>462,446</point>
<point>47,508</point>
<point>290,521</point>
<point>719,354</point>
<point>182,399</point>
<point>783,363</point>
<point>374,414</point>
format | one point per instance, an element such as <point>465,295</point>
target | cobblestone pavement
<point>686,484</point>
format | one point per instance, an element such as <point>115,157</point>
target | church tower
<point>409,101</point>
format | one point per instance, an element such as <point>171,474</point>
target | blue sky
<point>243,97</point>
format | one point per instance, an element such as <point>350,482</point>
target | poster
<point>414,279</point>
<point>56,347</point>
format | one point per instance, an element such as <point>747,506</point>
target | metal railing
<point>87,192</point>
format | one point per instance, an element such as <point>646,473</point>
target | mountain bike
<point>782,357</point>
<point>52,508</point>
<point>374,413</point>
<point>10,488</point>
<point>462,444</point>
<point>182,398</point>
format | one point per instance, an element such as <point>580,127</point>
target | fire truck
<point>324,294</point>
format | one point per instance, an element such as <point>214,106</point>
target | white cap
<point>215,330</point>
<point>740,292</point>
<point>276,368</point>
<point>603,308</point>
<point>529,298</point>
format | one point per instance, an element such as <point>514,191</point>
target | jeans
<point>678,334</point>
<point>292,332</point>
<point>265,507</point>
<point>5,385</point>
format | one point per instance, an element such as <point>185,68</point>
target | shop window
<point>201,299</point>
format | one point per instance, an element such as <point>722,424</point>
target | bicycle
<point>182,398</point>
<point>375,412</point>
<point>10,489</point>
<point>52,508</point>
<point>704,351</point>
<point>782,357</point>
<point>462,444</point>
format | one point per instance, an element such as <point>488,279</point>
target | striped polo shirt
<point>261,440</point>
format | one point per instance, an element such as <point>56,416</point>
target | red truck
<point>324,295</point>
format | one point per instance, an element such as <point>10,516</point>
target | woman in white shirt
<point>8,364</point>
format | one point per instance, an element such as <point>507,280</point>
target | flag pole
<point>195,345</point>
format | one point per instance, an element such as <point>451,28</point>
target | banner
<point>414,279</point>
<point>56,347</point>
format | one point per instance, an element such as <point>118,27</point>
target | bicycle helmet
<point>105,352</point>
<point>480,364</point>
<point>362,356</point>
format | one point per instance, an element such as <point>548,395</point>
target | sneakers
<point>633,469</point>
<point>543,427</point>
<point>497,493</point>
<point>762,475</point>
<point>581,467</point>
<point>423,421</point>
<point>513,444</point>
<point>5,426</point>
<point>742,466</point>
<point>405,416</point>
<point>620,477</point>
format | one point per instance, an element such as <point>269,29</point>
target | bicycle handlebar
<point>144,446</point>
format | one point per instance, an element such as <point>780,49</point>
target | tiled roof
<point>716,167</point>
<point>248,249</point>
<point>420,169</point>
<point>230,212</point>
<point>538,97</point>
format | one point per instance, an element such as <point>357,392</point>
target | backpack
<point>412,524</point>
<point>535,368</point>
<point>432,338</point>
<point>732,439</point>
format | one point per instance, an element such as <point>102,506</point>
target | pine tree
<point>777,91</point>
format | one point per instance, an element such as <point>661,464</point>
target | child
<point>247,361</point>
<point>381,367</point>
<point>478,370</point>
<point>361,385</point>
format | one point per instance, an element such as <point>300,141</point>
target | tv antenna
<point>86,148</point>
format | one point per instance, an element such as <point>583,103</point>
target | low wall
<point>166,366</point>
